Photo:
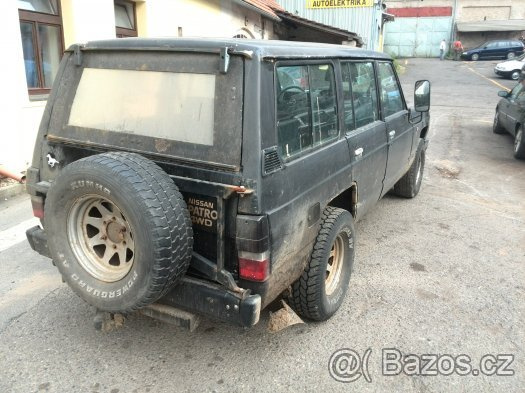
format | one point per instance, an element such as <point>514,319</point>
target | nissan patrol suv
<point>214,176</point>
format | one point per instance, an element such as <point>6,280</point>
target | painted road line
<point>490,80</point>
<point>16,234</point>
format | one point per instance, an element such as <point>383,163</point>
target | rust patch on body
<point>162,145</point>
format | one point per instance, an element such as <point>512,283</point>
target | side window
<point>391,99</point>
<point>347,98</point>
<point>306,107</point>
<point>360,94</point>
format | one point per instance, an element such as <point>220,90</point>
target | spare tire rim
<point>101,238</point>
<point>334,266</point>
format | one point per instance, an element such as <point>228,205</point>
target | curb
<point>12,191</point>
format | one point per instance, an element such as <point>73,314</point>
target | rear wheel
<point>511,55</point>
<point>515,75</point>
<point>497,128</point>
<point>118,230</point>
<point>474,57</point>
<point>519,144</point>
<point>320,290</point>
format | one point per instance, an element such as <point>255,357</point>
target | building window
<point>42,45</point>
<point>125,19</point>
<point>244,33</point>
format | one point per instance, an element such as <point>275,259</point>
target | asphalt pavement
<point>440,278</point>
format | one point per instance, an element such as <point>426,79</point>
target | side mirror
<point>422,96</point>
<point>503,93</point>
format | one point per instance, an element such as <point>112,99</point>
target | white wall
<point>85,20</point>
<point>212,18</point>
<point>19,117</point>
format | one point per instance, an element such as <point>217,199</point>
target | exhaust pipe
<point>6,173</point>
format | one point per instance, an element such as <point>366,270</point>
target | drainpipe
<point>6,173</point>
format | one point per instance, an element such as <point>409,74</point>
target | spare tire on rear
<point>118,230</point>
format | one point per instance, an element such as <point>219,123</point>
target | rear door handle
<point>358,152</point>
<point>392,134</point>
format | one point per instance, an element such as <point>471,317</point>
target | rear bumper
<point>212,300</point>
<point>193,294</point>
<point>37,239</point>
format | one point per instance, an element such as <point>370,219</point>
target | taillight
<point>253,247</point>
<point>38,206</point>
<point>254,266</point>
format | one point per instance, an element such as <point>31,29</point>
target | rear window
<point>173,104</point>
<point>176,106</point>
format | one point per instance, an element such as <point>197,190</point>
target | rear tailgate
<point>171,104</point>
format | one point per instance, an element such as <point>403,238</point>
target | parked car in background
<point>509,117</point>
<point>494,50</point>
<point>511,68</point>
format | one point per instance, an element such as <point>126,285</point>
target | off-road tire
<point>497,128</point>
<point>410,184</point>
<point>308,295</point>
<point>519,144</point>
<point>151,213</point>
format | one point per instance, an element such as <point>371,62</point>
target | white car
<point>510,68</point>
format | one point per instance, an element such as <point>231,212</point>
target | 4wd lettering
<point>88,183</point>
<point>203,212</point>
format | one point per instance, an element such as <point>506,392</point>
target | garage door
<point>416,37</point>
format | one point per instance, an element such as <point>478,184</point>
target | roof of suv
<point>257,48</point>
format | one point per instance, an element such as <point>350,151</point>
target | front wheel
<point>320,290</point>
<point>511,55</point>
<point>519,144</point>
<point>410,184</point>
<point>474,57</point>
<point>497,128</point>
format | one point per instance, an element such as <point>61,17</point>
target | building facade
<point>420,26</point>
<point>34,34</point>
<point>364,17</point>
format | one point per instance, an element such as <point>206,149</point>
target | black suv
<point>506,49</point>
<point>216,175</point>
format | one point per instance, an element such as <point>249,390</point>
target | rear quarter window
<point>306,107</point>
